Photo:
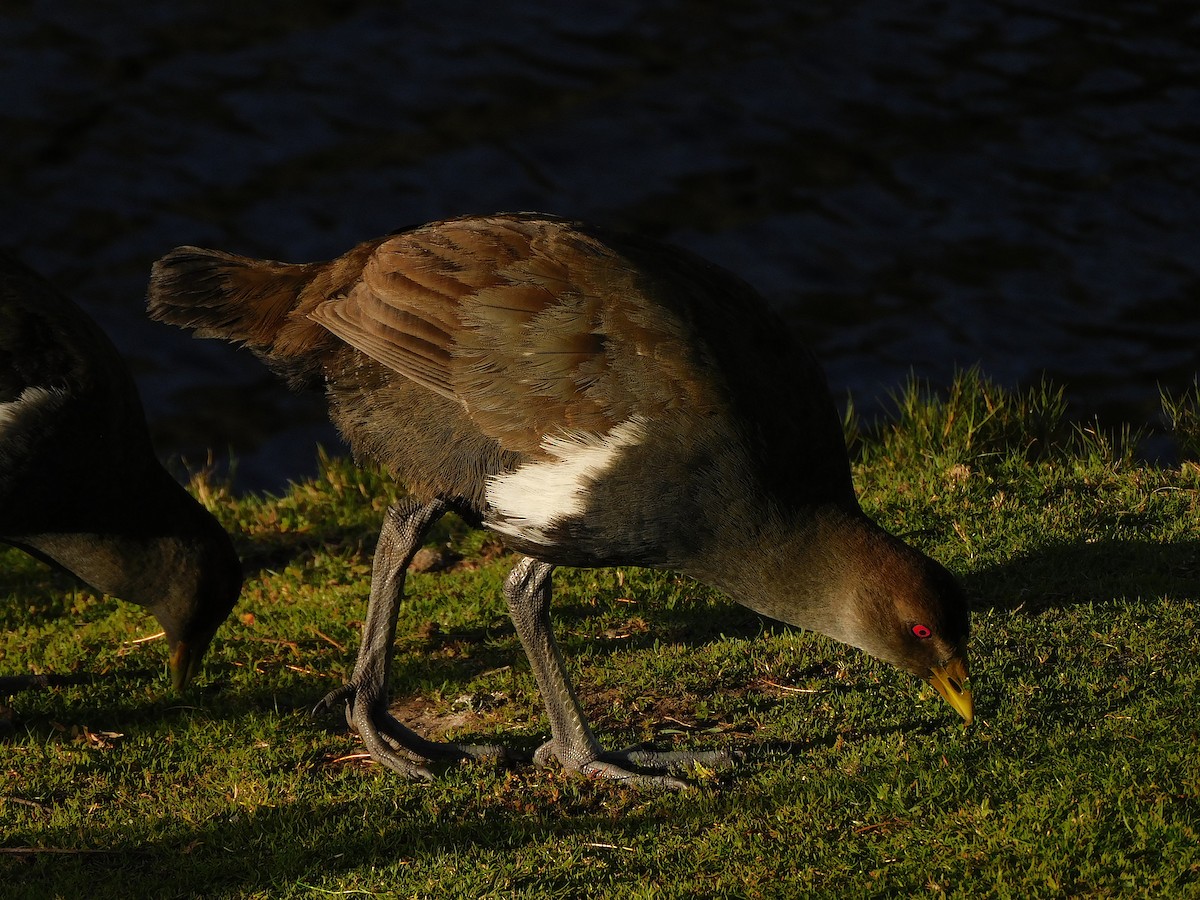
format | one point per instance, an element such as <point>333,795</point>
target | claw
<point>338,694</point>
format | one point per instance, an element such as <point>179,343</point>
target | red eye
<point>921,631</point>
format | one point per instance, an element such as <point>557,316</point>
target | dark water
<point>918,185</point>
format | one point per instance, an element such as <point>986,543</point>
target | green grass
<point>1080,777</point>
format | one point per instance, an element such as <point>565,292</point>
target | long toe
<point>385,740</point>
<point>393,744</point>
<point>680,761</point>
<point>641,767</point>
<point>436,758</point>
<point>633,776</point>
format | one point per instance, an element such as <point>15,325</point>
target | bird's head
<point>196,597</point>
<point>838,573</point>
<point>905,608</point>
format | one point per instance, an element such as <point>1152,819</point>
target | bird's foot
<point>638,766</point>
<point>334,697</point>
<point>393,744</point>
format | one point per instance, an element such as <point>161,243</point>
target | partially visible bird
<point>598,399</point>
<point>80,486</point>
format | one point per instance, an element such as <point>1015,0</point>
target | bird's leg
<point>404,529</point>
<point>527,592</point>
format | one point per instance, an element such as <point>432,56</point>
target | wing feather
<point>514,319</point>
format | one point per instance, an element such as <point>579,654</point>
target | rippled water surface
<point>917,185</point>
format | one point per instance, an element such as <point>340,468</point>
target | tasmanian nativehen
<point>80,486</point>
<point>598,399</point>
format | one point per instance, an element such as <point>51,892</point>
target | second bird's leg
<point>527,592</point>
<point>404,529</point>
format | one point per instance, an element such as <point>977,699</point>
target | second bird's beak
<point>951,682</point>
<point>185,661</point>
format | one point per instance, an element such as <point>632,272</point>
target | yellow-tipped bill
<point>951,682</point>
<point>185,661</point>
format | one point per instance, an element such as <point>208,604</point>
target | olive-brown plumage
<point>80,486</point>
<point>598,399</point>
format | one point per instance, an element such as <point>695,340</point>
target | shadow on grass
<point>11,684</point>
<point>278,848</point>
<point>275,550</point>
<point>1081,572</point>
<point>296,843</point>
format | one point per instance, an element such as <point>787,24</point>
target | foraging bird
<point>80,486</point>
<point>599,400</point>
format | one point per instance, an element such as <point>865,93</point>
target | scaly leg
<point>404,529</point>
<point>572,743</point>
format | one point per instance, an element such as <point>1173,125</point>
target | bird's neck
<point>137,569</point>
<point>157,559</point>
<point>802,569</point>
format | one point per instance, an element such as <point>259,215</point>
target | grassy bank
<point>1081,775</point>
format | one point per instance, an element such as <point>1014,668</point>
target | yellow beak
<point>951,682</point>
<point>184,664</point>
<point>186,657</point>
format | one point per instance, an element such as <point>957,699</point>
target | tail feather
<point>258,303</point>
<point>217,294</point>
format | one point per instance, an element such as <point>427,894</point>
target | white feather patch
<point>527,502</point>
<point>12,412</point>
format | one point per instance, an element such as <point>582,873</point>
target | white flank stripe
<point>527,502</point>
<point>31,398</point>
